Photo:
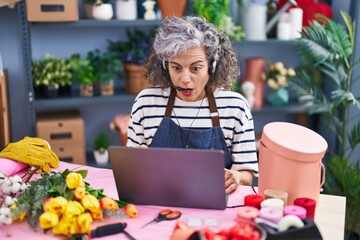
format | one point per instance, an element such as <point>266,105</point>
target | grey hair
<point>176,35</point>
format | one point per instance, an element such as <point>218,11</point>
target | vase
<point>254,70</point>
<point>126,10</point>
<point>279,97</point>
<point>101,12</point>
<point>101,157</point>
<point>170,8</point>
<point>135,78</point>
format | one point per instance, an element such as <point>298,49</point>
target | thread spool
<point>247,214</point>
<point>309,205</point>
<point>273,202</point>
<point>253,200</point>
<point>274,193</point>
<point>295,210</point>
<point>288,222</point>
<point>271,214</point>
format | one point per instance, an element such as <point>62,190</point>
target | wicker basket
<point>135,78</point>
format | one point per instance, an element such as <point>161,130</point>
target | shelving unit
<point>66,38</point>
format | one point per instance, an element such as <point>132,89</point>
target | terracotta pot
<point>254,70</point>
<point>170,8</point>
<point>107,88</point>
<point>135,78</point>
<point>86,90</point>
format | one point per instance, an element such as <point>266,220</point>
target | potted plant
<point>133,53</point>
<point>107,66</point>
<point>329,48</point>
<point>84,74</point>
<point>98,9</point>
<point>217,12</point>
<point>51,73</point>
<point>101,144</point>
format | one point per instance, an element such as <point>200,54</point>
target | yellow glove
<point>33,151</point>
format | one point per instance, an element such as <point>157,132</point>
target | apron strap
<point>170,104</point>
<point>214,114</point>
<point>212,106</point>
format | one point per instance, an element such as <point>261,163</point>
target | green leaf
<point>354,135</point>
<point>69,194</point>
<point>83,173</point>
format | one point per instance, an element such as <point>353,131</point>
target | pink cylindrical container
<point>290,160</point>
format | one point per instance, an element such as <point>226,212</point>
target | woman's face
<point>189,71</point>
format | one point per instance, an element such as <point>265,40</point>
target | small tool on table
<point>165,215</point>
<point>103,231</point>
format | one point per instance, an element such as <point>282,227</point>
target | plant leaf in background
<point>328,47</point>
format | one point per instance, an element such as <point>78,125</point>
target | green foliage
<point>83,72</point>
<point>101,142</point>
<point>135,49</point>
<point>49,185</point>
<point>329,48</point>
<point>51,71</point>
<point>217,12</point>
<point>106,65</point>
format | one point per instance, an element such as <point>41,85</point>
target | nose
<point>185,76</point>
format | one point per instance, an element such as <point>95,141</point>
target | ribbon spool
<point>253,200</point>
<point>273,202</point>
<point>271,214</point>
<point>309,205</point>
<point>274,193</point>
<point>247,214</point>
<point>295,210</point>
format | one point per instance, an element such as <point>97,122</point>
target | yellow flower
<point>73,180</point>
<point>84,221</point>
<point>272,84</point>
<point>281,80</point>
<point>79,192</point>
<point>90,203</point>
<point>19,217</point>
<point>291,72</point>
<point>109,203</point>
<point>73,209</point>
<point>63,227</point>
<point>97,215</point>
<point>58,205</point>
<point>48,220</point>
<point>278,66</point>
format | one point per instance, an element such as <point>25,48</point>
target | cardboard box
<point>70,153</point>
<point>61,128</point>
<point>65,133</point>
<point>52,10</point>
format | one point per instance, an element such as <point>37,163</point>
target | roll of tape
<point>247,213</point>
<point>307,203</point>
<point>271,214</point>
<point>274,193</point>
<point>295,210</point>
<point>289,221</point>
<point>253,200</point>
<point>273,202</point>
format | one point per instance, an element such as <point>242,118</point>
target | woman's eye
<point>195,69</point>
<point>176,68</point>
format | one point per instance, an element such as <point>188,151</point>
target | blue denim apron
<point>171,135</point>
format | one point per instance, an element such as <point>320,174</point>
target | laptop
<point>190,178</point>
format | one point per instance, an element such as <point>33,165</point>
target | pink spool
<point>271,214</point>
<point>295,210</point>
<point>247,214</point>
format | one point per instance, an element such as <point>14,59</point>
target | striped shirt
<point>235,120</point>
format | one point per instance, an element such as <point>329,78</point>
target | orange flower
<point>130,210</point>
<point>79,192</point>
<point>46,204</point>
<point>109,203</point>
<point>97,215</point>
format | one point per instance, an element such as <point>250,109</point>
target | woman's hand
<point>235,178</point>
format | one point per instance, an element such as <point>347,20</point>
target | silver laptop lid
<point>191,178</point>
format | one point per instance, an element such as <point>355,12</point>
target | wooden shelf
<point>98,23</point>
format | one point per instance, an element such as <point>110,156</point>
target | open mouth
<point>180,89</point>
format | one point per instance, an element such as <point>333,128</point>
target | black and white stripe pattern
<point>235,120</point>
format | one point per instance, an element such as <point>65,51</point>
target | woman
<point>193,64</point>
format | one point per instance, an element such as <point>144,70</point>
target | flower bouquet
<point>57,200</point>
<point>276,78</point>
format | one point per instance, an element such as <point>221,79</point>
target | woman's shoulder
<point>152,93</point>
<point>230,96</point>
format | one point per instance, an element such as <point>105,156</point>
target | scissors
<point>165,214</point>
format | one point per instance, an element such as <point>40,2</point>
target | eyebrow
<point>200,61</point>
